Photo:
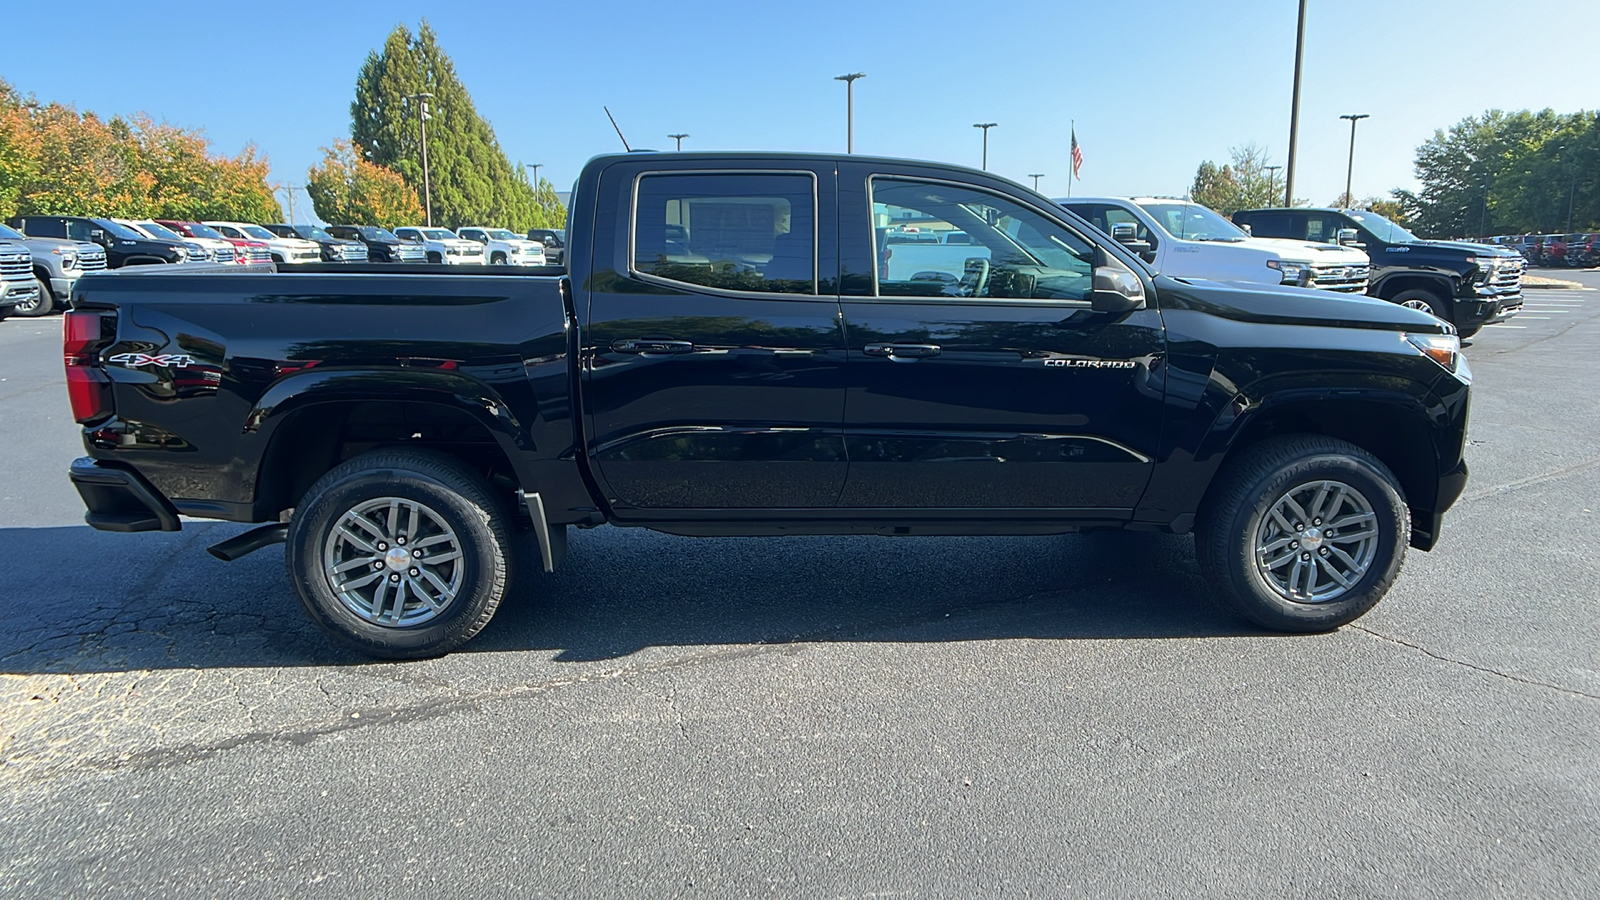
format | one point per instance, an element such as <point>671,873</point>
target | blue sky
<point>1155,87</point>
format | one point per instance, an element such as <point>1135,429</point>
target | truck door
<point>713,354</point>
<point>1001,389</point>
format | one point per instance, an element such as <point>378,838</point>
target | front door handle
<point>902,351</point>
<point>643,345</point>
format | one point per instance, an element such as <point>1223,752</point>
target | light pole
<point>535,167</point>
<point>1350,172</point>
<point>1036,176</point>
<point>1294,110</point>
<point>427,183</point>
<point>290,189</point>
<point>985,126</point>
<point>1272,180</point>
<point>850,108</point>
<point>679,138</point>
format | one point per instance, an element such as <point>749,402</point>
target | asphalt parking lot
<point>828,717</point>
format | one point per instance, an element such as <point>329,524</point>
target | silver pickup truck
<point>56,264</point>
<point>17,287</point>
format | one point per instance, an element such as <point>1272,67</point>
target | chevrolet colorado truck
<point>723,358</point>
<point>1470,285</point>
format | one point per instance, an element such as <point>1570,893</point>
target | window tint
<point>754,232</point>
<point>79,230</point>
<point>45,227</point>
<point>1012,251</point>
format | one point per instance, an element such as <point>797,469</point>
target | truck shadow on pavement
<point>79,601</point>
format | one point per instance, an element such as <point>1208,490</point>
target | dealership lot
<point>823,716</point>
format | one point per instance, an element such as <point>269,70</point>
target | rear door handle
<point>641,345</point>
<point>902,351</point>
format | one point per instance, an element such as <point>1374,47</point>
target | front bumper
<point>14,292</point>
<point>121,499</point>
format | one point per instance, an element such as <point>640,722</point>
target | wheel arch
<point>1393,285</point>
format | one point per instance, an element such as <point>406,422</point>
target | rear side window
<point>739,231</point>
<point>44,227</point>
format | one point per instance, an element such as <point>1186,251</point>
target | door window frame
<point>877,291</point>
<point>816,250</point>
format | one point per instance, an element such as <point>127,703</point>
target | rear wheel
<point>401,553</point>
<point>1303,533</point>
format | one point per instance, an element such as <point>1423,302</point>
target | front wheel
<point>1303,533</point>
<point>41,305</point>
<point>401,554</point>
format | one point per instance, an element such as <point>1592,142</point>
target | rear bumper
<point>121,499</point>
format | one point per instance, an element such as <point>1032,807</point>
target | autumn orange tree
<point>345,188</point>
<point>54,159</point>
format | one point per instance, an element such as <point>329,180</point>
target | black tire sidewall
<point>1438,307</point>
<point>1256,599</point>
<point>460,621</point>
<point>45,305</point>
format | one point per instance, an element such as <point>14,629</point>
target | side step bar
<point>249,542</point>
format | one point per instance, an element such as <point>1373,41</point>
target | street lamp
<point>1272,179</point>
<point>679,138</point>
<point>850,108</point>
<point>985,126</point>
<point>535,167</point>
<point>1036,176</point>
<point>422,99</point>
<point>1294,109</point>
<point>1349,198</point>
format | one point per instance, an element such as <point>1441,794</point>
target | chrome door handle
<point>902,351</point>
<point>640,345</point>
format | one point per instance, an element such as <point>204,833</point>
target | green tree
<point>472,181</point>
<point>1242,183</point>
<point>346,189</point>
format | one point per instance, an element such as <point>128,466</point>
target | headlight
<point>1486,266</point>
<point>1444,349</point>
<point>69,258</point>
<point>183,254</point>
<point>1293,272</point>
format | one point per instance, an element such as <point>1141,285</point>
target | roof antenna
<point>619,130</point>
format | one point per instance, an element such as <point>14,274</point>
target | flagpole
<point>1072,170</point>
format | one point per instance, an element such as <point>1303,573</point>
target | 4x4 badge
<point>135,360</point>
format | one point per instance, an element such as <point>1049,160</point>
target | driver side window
<point>1005,249</point>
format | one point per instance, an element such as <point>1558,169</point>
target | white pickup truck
<point>442,245</point>
<point>283,250</point>
<point>1187,240</point>
<point>503,247</point>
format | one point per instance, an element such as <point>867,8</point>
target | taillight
<point>87,385</point>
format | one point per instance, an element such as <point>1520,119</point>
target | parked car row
<point>1579,250</point>
<point>42,256</point>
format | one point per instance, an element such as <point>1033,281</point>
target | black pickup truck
<point>725,357</point>
<point>1470,285</point>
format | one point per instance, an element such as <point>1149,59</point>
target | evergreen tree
<point>472,181</point>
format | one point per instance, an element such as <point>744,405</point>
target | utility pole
<point>1349,173</point>
<point>679,138</point>
<point>985,126</point>
<point>1036,176</point>
<point>1571,196</point>
<point>427,183</point>
<point>1294,112</point>
<point>849,108</point>
<point>290,188</point>
<point>1272,179</point>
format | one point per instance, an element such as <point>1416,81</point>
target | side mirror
<point>1124,232</point>
<point>1246,230</point>
<point>1116,288</point>
<point>1347,237</point>
<point>97,235</point>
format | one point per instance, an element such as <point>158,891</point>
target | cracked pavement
<point>821,716</point>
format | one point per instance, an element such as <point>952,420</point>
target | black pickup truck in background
<point>725,358</point>
<point>1470,285</point>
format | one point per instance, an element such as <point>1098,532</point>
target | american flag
<point>1077,154</point>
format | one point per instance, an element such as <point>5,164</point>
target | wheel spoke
<point>416,588</point>
<point>1317,501</point>
<point>442,558</point>
<point>357,563</point>
<point>378,597</point>
<point>1357,519</point>
<point>400,600</point>
<point>360,542</point>
<point>372,529</point>
<point>1297,510</point>
<point>1294,575</point>
<point>1335,573</point>
<point>438,583</point>
<point>394,518</point>
<point>1279,544</point>
<point>358,583</point>
<point>1273,564</point>
<point>430,541</point>
<point>1283,523</point>
<point>1356,568</point>
<point>411,527</point>
<point>1357,536</point>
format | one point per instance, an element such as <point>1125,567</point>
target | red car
<point>1583,250</point>
<point>250,253</point>
<point>1554,250</point>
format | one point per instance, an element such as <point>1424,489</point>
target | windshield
<point>1383,229</point>
<point>157,230</point>
<point>1193,222</point>
<point>118,230</point>
<point>437,234</point>
<point>257,232</point>
<point>204,231</point>
<point>11,234</point>
<point>500,234</point>
<point>382,235</point>
<point>313,233</point>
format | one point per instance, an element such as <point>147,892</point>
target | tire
<point>455,510</point>
<point>435,258</point>
<point>1240,543</point>
<point>44,305</point>
<point>1425,300</point>
<point>499,259</point>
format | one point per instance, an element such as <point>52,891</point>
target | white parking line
<point>1508,326</point>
